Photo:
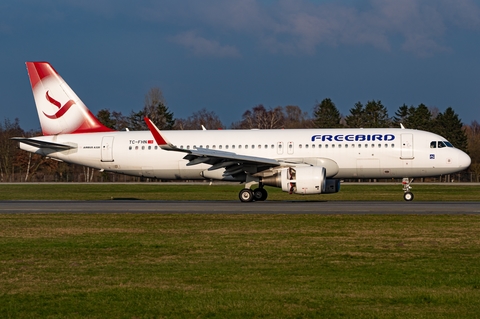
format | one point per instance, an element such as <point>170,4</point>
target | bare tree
<point>261,118</point>
<point>8,149</point>
<point>208,119</point>
<point>296,118</point>
<point>152,99</point>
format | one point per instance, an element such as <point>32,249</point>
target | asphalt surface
<point>236,207</point>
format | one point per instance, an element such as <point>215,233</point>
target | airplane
<point>299,161</point>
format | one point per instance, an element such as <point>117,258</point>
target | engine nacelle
<point>303,180</point>
<point>299,180</point>
<point>332,185</point>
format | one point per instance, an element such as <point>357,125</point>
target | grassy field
<point>239,266</point>
<point>166,191</point>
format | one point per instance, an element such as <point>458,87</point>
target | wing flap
<point>232,162</point>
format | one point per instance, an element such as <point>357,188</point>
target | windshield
<point>440,144</point>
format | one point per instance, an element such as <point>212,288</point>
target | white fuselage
<point>357,153</point>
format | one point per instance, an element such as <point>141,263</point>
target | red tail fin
<point>59,109</point>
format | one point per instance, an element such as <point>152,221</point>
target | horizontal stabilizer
<point>42,144</point>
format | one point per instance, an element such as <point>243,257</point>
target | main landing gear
<point>258,194</point>
<point>407,194</point>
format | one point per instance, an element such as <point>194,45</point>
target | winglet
<point>157,135</point>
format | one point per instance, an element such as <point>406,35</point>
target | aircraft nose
<point>464,160</point>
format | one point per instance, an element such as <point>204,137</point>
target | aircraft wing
<point>42,144</point>
<point>232,162</point>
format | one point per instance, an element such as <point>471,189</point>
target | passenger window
<point>143,147</point>
<point>306,145</point>
<point>319,145</point>
<point>326,145</point>
<point>246,146</point>
<point>149,147</point>
<point>299,145</point>
<point>136,147</point>
<point>313,145</point>
<point>155,147</point>
<point>393,145</point>
<point>130,148</point>
<point>346,145</point>
<point>333,145</point>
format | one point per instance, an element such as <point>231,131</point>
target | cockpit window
<point>441,144</point>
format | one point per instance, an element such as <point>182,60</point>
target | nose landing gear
<point>407,194</point>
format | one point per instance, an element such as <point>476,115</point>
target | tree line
<point>16,165</point>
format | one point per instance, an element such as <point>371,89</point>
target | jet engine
<point>303,180</point>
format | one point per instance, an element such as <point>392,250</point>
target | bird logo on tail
<point>61,109</point>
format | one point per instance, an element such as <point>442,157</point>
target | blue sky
<point>228,56</point>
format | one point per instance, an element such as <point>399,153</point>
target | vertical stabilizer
<point>59,109</point>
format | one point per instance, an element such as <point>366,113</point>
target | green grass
<point>166,191</point>
<point>239,266</point>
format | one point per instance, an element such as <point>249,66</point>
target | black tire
<point>260,194</point>
<point>245,195</point>
<point>408,196</point>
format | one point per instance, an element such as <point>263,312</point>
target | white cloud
<point>303,26</point>
<point>204,47</point>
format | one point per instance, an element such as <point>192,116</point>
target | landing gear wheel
<point>408,196</point>
<point>260,194</point>
<point>246,195</point>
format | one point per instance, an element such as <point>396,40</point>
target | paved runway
<point>236,207</point>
